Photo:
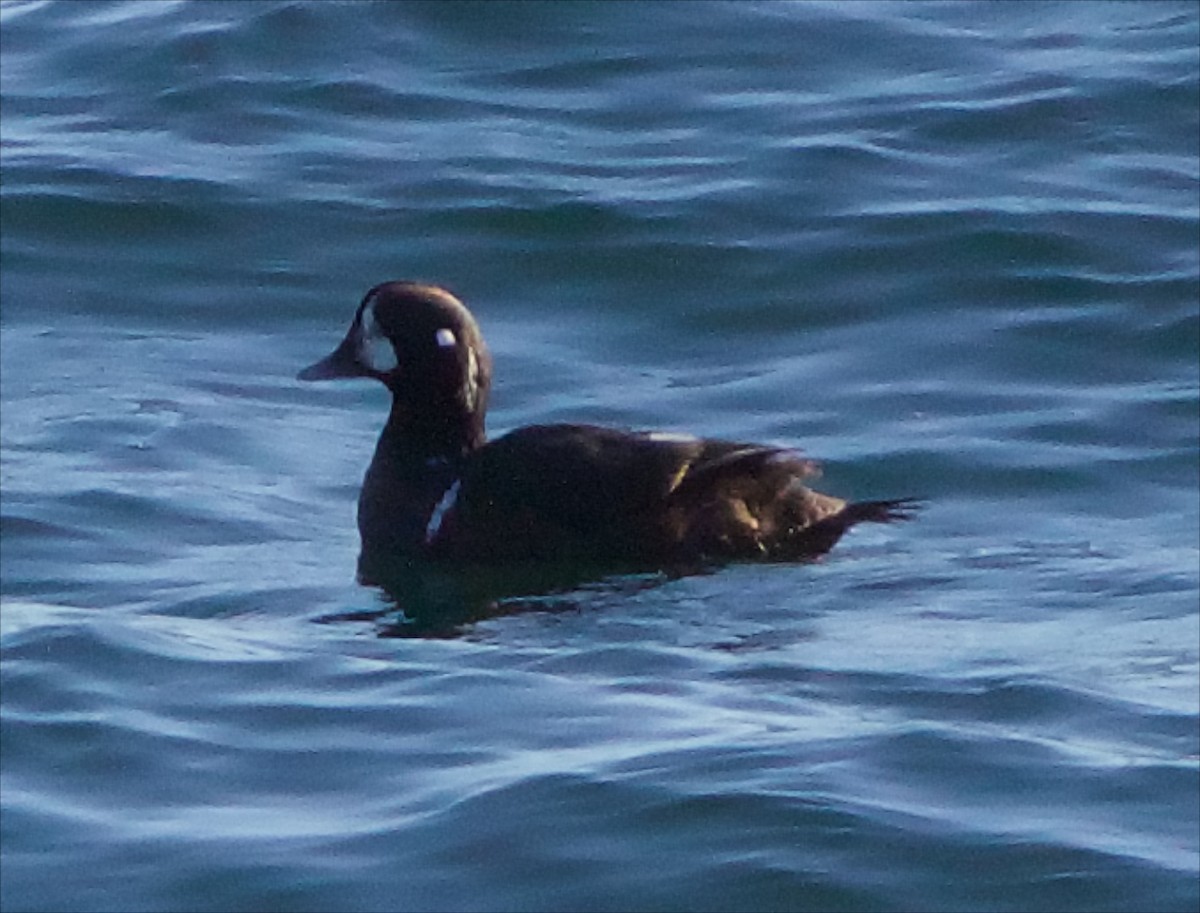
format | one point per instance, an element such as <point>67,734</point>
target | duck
<point>439,492</point>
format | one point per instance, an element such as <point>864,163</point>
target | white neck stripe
<point>443,506</point>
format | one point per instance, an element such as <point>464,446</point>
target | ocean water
<point>949,249</point>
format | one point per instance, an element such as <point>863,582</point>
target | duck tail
<point>893,511</point>
<point>817,539</point>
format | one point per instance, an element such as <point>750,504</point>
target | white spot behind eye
<point>445,338</point>
<point>374,349</point>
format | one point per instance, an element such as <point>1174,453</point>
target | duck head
<point>423,344</point>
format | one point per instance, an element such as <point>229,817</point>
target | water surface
<point>948,249</point>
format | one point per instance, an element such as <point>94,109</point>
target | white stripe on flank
<point>440,510</point>
<point>670,437</point>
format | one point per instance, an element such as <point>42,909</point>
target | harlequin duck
<point>438,491</point>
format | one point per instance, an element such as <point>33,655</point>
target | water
<point>949,249</point>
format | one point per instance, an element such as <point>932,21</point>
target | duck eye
<point>445,338</point>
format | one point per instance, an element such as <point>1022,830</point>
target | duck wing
<point>559,490</point>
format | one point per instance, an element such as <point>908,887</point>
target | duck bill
<point>341,362</point>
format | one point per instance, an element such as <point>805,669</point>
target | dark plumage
<point>438,492</point>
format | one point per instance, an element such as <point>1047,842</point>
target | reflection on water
<point>444,602</point>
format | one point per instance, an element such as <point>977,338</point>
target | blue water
<point>951,250</point>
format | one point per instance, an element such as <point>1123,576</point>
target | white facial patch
<point>443,506</point>
<point>445,338</point>
<point>374,348</point>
